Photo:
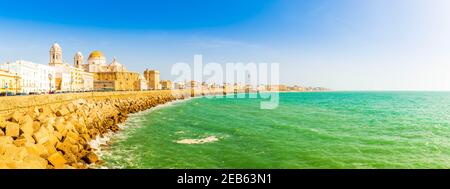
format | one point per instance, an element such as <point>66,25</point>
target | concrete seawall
<point>53,131</point>
<point>9,104</point>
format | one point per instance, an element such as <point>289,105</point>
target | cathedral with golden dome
<point>96,74</point>
<point>97,63</point>
<point>108,77</point>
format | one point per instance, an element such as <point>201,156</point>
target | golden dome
<point>96,54</point>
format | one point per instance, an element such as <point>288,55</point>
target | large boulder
<point>62,111</point>
<point>41,136</point>
<point>57,160</point>
<point>27,126</point>
<point>16,116</point>
<point>33,162</point>
<point>90,158</point>
<point>12,129</point>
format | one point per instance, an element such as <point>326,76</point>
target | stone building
<point>117,81</point>
<point>9,82</point>
<point>97,75</point>
<point>152,77</point>
<point>35,78</point>
<point>166,85</point>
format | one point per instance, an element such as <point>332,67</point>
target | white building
<point>36,78</point>
<point>88,81</point>
<point>144,83</point>
<point>70,78</point>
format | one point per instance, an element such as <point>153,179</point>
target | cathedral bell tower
<point>55,55</point>
<point>78,60</point>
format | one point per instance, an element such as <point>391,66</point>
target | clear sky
<point>340,44</point>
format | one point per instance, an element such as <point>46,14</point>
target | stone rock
<point>29,138</point>
<point>25,118</point>
<point>53,108</point>
<point>12,129</point>
<point>57,160</point>
<point>20,141</point>
<point>60,126</point>
<point>71,107</point>
<point>27,126</point>
<point>58,135</point>
<point>37,149</point>
<point>70,158</point>
<point>6,140</point>
<point>63,146</point>
<point>42,117</point>
<point>72,136</point>
<point>52,139</point>
<point>41,136</point>
<point>33,112</point>
<point>74,148</point>
<point>16,116</point>
<point>36,126</point>
<point>91,157</point>
<point>2,122</point>
<point>34,162</point>
<point>50,148</point>
<point>62,111</point>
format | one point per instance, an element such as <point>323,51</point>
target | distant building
<point>180,85</point>
<point>87,81</point>
<point>205,86</point>
<point>238,86</point>
<point>117,81</point>
<point>35,78</point>
<point>296,88</point>
<point>261,88</point>
<point>166,85</point>
<point>192,85</point>
<point>214,86</point>
<point>144,83</point>
<point>248,88</point>
<point>227,87</point>
<point>9,82</point>
<point>277,88</point>
<point>152,77</point>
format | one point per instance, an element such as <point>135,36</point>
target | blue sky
<point>340,44</point>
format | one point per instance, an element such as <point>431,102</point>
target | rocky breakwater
<point>57,135</point>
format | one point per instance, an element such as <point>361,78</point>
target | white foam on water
<point>198,141</point>
<point>101,143</point>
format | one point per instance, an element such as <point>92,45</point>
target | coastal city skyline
<point>95,73</point>
<point>321,45</point>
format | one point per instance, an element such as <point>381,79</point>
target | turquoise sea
<point>307,130</point>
